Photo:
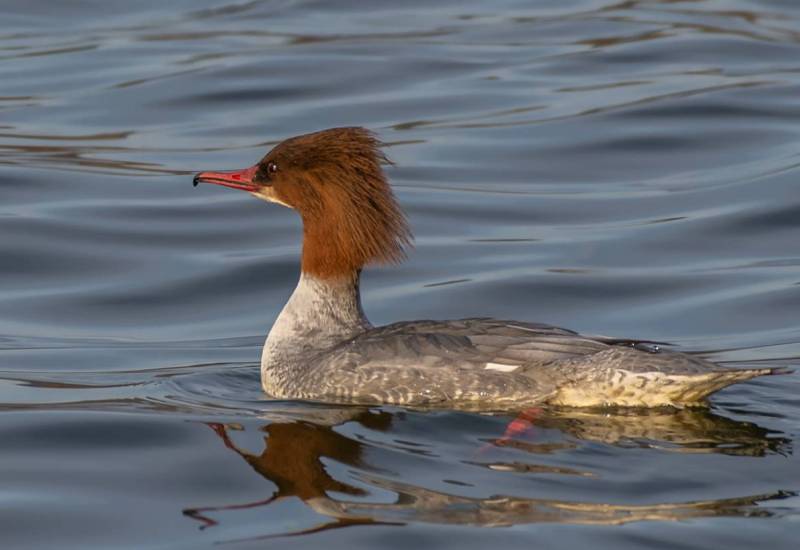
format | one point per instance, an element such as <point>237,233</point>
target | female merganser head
<point>334,180</point>
<point>323,348</point>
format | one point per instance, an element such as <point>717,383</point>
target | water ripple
<point>627,168</point>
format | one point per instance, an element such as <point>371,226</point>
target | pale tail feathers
<point>653,389</point>
<point>695,388</point>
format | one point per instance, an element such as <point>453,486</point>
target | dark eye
<point>272,168</point>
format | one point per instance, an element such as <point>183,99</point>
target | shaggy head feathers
<point>333,178</point>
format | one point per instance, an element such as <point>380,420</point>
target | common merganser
<point>323,348</point>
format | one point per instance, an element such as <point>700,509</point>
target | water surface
<point>624,168</point>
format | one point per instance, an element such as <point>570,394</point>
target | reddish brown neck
<point>342,234</point>
<point>327,253</point>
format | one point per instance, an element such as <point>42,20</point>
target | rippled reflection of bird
<point>299,443</point>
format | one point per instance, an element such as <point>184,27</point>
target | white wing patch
<point>501,367</point>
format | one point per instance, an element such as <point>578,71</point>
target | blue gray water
<point>628,168</point>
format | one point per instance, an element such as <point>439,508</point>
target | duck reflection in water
<point>296,448</point>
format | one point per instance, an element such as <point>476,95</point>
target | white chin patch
<point>266,193</point>
<point>501,367</point>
